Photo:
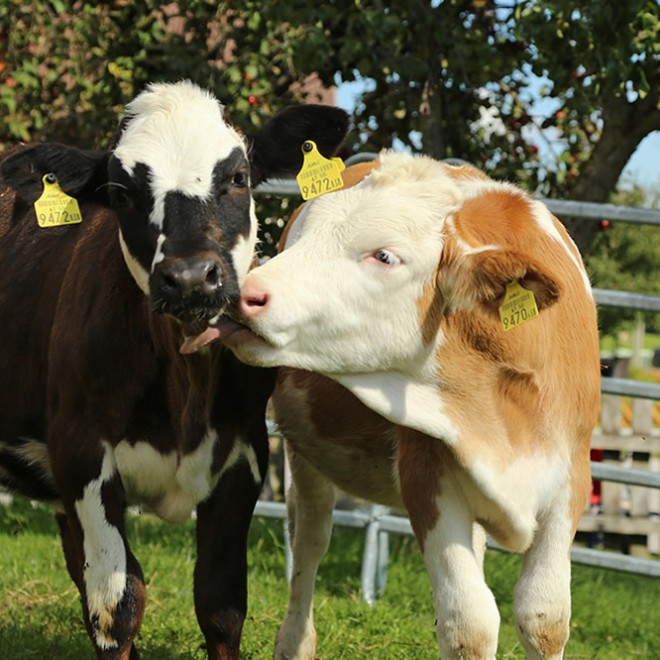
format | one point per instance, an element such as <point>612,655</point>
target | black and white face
<point>179,180</point>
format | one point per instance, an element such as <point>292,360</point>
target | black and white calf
<point>98,408</point>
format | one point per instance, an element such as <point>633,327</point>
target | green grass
<point>615,616</point>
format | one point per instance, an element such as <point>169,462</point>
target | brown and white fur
<point>389,290</point>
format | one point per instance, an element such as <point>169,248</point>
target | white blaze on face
<point>242,253</point>
<point>104,571</point>
<point>158,255</point>
<point>179,132</point>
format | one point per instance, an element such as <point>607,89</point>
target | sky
<point>643,168</point>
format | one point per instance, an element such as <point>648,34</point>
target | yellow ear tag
<point>518,306</point>
<point>55,208</point>
<point>318,174</point>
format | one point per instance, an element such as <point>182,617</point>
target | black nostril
<point>169,283</point>
<point>188,282</point>
<point>212,278</point>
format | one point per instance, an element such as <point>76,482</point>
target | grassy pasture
<point>615,616</point>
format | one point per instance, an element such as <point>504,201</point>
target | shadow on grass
<point>31,643</point>
<point>27,643</point>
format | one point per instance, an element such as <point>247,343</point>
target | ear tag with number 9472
<point>54,207</point>
<point>318,174</point>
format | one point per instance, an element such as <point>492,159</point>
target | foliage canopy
<point>553,95</point>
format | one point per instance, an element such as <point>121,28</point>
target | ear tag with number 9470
<point>318,174</point>
<point>54,207</point>
<point>518,306</point>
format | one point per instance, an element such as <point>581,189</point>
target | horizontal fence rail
<point>627,387</point>
<point>561,207</point>
<point>378,523</point>
<point>640,301</point>
<point>625,475</point>
<point>596,211</point>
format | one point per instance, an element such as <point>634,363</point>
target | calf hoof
<point>295,646</point>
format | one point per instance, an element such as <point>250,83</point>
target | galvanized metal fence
<point>379,522</point>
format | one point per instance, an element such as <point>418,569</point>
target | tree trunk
<point>625,125</point>
<point>432,125</point>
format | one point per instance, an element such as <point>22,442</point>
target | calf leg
<point>310,502</point>
<point>467,616</point>
<point>99,561</point>
<point>543,592</point>
<point>223,522</point>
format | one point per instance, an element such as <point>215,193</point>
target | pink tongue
<point>193,344</point>
<point>222,330</point>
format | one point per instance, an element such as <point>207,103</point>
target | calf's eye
<point>240,180</point>
<point>120,196</point>
<point>386,257</point>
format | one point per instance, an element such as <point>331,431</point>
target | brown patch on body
<point>430,308</point>
<point>324,398</point>
<point>421,462</point>
<point>338,435</point>
<point>510,386</point>
<point>489,388</point>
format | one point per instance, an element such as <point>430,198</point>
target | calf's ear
<point>275,148</point>
<point>79,173</point>
<point>482,278</point>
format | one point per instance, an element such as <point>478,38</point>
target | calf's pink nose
<point>253,300</point>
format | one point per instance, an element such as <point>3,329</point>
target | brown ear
<point>482,277</point>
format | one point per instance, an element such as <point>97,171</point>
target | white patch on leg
<point>241,451</point>
<point>104,571</point>
<point>467,616</point>
<point>310,501</point>
<point>543,591</point>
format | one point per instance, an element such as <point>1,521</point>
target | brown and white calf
<point>391,290</point>
<point>98,408</point>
